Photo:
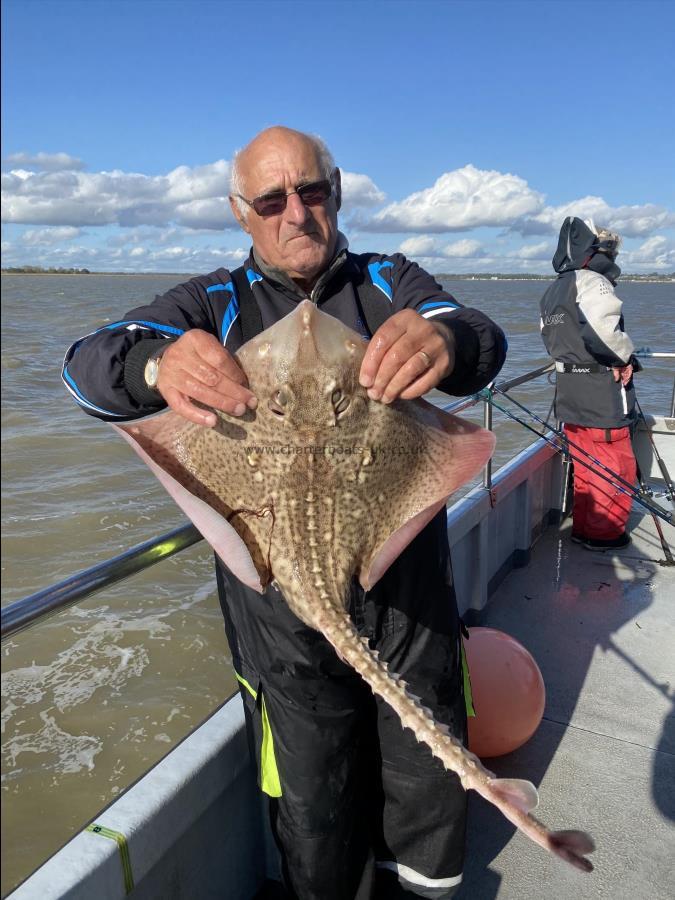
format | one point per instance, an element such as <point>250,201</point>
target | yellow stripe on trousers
<point>269,774</point>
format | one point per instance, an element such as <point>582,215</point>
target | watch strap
<point>134,371</point>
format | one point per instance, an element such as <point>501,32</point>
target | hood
<point>575,245</point>
<point>577,249</point>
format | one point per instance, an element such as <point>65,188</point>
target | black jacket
<point>104,370</point>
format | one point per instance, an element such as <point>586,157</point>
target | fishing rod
<point>648,493</point>
<point>670,490</point>
<point>564,437</point>
<point>629,490</point>
<point>567,441</point>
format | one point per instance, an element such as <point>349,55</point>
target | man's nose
<point>296,211</point>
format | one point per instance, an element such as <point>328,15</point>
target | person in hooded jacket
<point>582,327</point>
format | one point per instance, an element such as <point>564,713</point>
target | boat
<point>602,629</point>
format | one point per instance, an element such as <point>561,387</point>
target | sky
<point>465,131</point>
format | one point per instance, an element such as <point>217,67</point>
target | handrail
<point>36,607</point>
<point>22,613</point>
<point>528,376</point>
<point>646,353</point>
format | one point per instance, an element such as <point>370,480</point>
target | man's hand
<point>625,373</point>
<point>198,367</point>
<point>406,357</point>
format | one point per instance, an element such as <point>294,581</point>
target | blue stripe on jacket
<point>156,326</point>
<point>231,312</point>
<point>379,282</point>
<point>437,304</point>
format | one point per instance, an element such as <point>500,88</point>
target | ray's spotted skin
<point>320,483</point>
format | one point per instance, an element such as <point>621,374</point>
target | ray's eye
<point>277,403</point>
<point>340,402</point>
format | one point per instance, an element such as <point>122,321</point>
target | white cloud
<point>200,183</point>
<point>359,191</point>
<point>156,222</point>
<point>45,237</point>
<point>486,262</point>
<point>628,221</point>
<point>657,254</point>
<point>147,234</point>
<point>48,162</point>
<point>428,246</point>
<point>142,257</point>
<point>195,198</point>
<point>460,200</point>
<point>543,250</point>
<point>466,249</point>
<point>421,245</point>
<point>469,198</point>
<point>214,213</point>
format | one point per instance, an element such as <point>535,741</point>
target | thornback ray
<point>320,484</point>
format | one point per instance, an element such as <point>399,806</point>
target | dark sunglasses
<point>275,202</point>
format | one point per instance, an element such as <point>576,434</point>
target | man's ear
<point>236,212</point>
<point>338,188</point>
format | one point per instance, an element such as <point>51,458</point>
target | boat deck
<point>602,629</point>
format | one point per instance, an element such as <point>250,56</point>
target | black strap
<point>583,368</point>
<point>375,308</point>
<point>249,311</point>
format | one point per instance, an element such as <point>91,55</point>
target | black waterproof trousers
<point>362,810</point>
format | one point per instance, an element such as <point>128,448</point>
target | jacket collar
<point>278,276</point>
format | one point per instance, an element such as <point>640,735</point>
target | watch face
<point>152,373</point>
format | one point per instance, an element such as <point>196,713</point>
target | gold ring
<point>427,359</point>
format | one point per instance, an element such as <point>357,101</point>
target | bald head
<point>274,137</point>
<point>300,240</point>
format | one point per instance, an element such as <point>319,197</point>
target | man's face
<point>300,240</point>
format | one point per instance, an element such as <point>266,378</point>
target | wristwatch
<point>151,371</point>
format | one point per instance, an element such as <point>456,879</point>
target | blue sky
<point>466,131</point>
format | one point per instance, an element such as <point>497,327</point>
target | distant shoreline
<point>448,276</point>
<point>116,274</point>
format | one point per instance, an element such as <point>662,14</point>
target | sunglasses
<point>275,202</point>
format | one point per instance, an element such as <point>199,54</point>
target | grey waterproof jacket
<point>582,328</point>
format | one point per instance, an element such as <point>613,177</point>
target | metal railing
<point>36,607</point>
<point>646,353</point>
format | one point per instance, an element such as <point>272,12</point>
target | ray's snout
<point>323,344</point>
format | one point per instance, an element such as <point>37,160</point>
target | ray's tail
<point>514,797</point>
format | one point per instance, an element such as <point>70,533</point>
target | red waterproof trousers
<point>601,510</point>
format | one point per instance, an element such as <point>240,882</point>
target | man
<point>360,809</point>
<point>582,328</point>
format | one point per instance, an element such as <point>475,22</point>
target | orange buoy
<point>508,692</point>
